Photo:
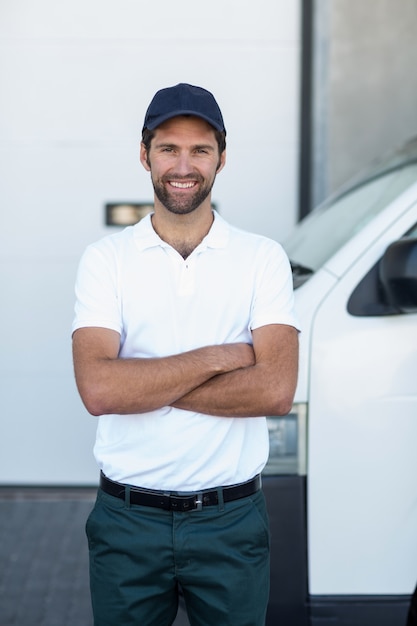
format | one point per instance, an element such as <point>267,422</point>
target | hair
<point>148,135</point>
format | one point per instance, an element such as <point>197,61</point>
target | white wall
<point>75,79</point>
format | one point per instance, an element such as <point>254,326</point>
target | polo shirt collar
<point>146,237</point>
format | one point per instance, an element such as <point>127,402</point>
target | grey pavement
<point>44,558</point>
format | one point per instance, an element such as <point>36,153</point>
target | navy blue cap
<point>183,99</point>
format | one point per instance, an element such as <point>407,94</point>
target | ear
<point>144,157</point>
<point>222,162</point>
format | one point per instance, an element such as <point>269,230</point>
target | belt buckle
<point>198,501</point>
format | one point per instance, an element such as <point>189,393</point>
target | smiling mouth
<point>178,185</point>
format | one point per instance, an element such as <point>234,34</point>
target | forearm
<point>249,392</point>
<point>108,384</point>
<point>265,388</point>
<point>124,386</point>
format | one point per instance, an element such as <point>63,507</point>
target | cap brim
<point>157,121</point>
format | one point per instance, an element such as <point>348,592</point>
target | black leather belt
<point>174,502</point>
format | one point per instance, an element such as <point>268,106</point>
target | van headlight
<point>288,442</point>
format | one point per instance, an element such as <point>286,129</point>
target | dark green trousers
<point>140,555</point>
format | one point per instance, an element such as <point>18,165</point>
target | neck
<point>182,232</point>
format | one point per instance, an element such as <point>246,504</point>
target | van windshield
<point>326,229</point>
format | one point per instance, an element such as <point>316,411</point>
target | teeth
<point>182,185</point>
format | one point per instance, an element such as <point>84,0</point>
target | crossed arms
<point>229,380</point>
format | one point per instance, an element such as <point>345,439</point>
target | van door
<point>362,505</point>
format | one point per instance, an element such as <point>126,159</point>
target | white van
<point>341,482</point>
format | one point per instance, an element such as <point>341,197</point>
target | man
<point>184,338</point>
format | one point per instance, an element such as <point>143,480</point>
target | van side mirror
<point>398,275</point>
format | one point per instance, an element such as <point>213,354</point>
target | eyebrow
<point>198,146</point>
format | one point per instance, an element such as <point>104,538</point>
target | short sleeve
<point>96,290</point>
<point>273,301</point>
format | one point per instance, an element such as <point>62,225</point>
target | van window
<point>318,236</point>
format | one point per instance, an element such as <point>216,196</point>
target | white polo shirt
<point>138,285</point>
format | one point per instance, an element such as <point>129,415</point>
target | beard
<point>186,203</point>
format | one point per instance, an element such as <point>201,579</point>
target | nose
<point>183,164</point>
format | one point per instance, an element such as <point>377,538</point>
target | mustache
<point>181,178</point>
